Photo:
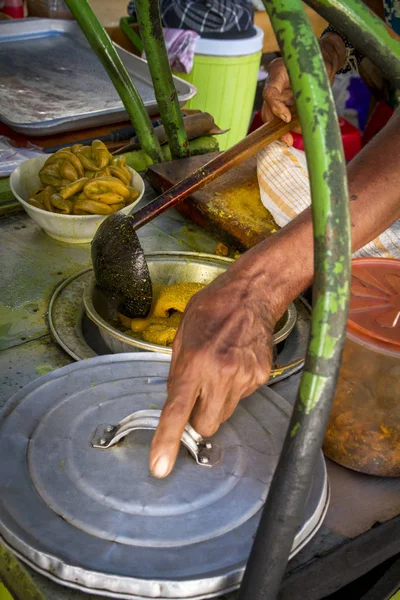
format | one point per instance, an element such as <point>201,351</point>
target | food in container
<point>169,304</point>
<point>364,426</point>
<point>70,228</point>
<point>165,268</point>
<point>84,180</point>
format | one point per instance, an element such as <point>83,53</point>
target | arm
<point>277,92</point>
<point>222,351</point>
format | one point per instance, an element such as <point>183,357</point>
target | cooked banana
<point>73,188</point>
<point>96,187</point>
<point>100,154</point>
<point>94,207</point>
<point>65,206</point>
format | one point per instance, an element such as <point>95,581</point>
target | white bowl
<point>73,229</point>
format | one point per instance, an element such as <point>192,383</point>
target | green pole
<point>367,32</point>
<point>149,20</point>
<point>16,579</point>
<point>106,52</point>
<point>285,503</point>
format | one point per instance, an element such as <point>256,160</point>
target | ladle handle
<point>203,451</point>
<point>247,147</point>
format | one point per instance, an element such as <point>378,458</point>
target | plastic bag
<point>11,157</point>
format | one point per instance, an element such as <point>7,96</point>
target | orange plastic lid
<point>374,314</point>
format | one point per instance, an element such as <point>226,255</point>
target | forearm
<point>281,267</point>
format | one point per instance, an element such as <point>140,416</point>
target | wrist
<point>277,270</point>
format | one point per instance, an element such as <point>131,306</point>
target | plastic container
<point>225,74</point>
<point>73,229</point>
<point>4,593</point>
<point>13,8</point>
<point>51,9</point>
<point>351,138</point>
<point>364,426</point>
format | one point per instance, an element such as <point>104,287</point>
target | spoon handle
<point>247,147</point>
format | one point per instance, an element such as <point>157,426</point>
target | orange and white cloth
<point>285,192</point>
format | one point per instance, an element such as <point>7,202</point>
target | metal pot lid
<point>91,516</point>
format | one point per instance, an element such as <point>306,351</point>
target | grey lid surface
<point>95,519</point>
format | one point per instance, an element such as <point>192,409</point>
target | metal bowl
<point>165,268</point>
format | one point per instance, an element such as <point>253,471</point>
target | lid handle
<point>203,451</point>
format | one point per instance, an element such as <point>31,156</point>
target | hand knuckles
<point>270,93</point>
<point>175,405</point>
<point>206,429</point>
<point>261,379</point>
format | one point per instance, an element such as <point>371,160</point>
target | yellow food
<point>102,173</point>
<point>50,175</point>
<point>67,156</point>
<point>36,203</point>
<point>102,185</point>
<point>175,297</point>
<point>160,333</point>
<point>94,207</point>
<point>112,198</point>
<point>46,198</point>
<point>169,304</point>
<point>76,147</point>
<point>221,250</point>
<point>85,156</point>
<point>100,154</point>
<point>64,206</point>
<point>121,173</point>
<point>84,180</point>
<point>68,171</point>
<point>73,188</point>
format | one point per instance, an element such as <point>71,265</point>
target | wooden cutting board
<point>229,207</point>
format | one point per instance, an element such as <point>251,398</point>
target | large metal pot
<point>165,268</point>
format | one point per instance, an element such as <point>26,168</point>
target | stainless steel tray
<point>51,81</point>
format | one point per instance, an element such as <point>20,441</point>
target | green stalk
<point>133,37</point>
<point>149,20</point>
<point>16,578</point>
<point>366,31</point>
<point>106,52</point>
<point>284,507</point>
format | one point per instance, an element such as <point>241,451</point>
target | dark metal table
<point>362,527</point>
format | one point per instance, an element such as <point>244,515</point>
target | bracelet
<point>353,56</point>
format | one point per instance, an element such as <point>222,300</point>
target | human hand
<point>278,96</point>
<point>277,93</point>
<point>222,353</point>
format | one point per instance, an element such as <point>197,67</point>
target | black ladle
<point>119,263</point>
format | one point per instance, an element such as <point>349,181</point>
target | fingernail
<point>284,118</point>
<point>161,467</point>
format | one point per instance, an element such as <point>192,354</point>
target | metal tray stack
<point>51,81</point>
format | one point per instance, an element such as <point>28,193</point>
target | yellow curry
<point>169,303</point>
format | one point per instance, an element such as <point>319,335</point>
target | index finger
<point>274,98</point>
<point>182,396</point>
